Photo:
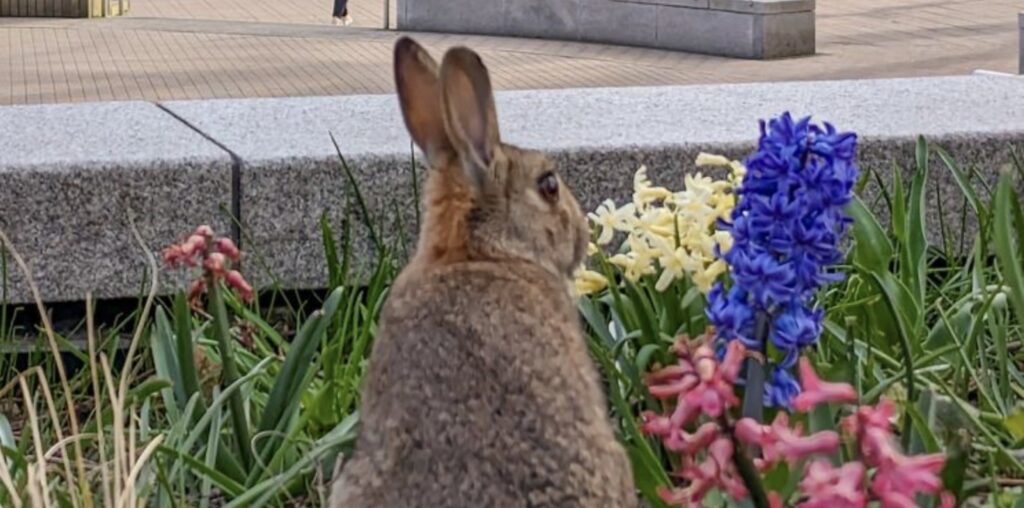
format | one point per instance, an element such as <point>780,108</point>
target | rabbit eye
<point>547,186</point>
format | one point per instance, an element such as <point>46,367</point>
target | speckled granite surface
<point>289,173</point>
<point>72,177</point>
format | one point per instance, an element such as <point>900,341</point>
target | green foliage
<point>935,326</point>
<point>243,405</point>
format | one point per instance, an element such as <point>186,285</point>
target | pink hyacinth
<point>228,248</point>
<point>700,385</point>
<point>780,442</point>
<point>828,487</point>
<point>717,470</point>
<point>898,477</point>
<point>698,382</point>
<point>235,279</point>
<point>202,248</point>
<point>815,391</point>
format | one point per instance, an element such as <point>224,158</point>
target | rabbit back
<point>481,393</point>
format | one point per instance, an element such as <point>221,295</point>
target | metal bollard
<point>387,14</point>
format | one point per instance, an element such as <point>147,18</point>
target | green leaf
<point>291,382</point>
<point>820,419</point>
<point>643,357</point>
<point>222,481</point>
<point>6,432</point>
<point>646,478</point>
<point>905,332</point>
<point>342,434</point>
<point>955,471</point>
<point>965,185</point>
<point>222,334</point>
<point>899,205</point>
<point>335,277</point>
<point>142,391</point>
<point>648,472</point>
<point>915,244</point>
<point>1015,424</point>
<point>922,415</point>
<point>1010,263</point>
<point>872,248</point>
<point>777,478</point>
<point>184,346</point>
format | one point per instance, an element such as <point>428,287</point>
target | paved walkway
<point>182,49</point>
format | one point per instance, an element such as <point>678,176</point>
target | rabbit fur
<point>480,390</point>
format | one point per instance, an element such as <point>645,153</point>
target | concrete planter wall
<point>68,203</point>
<point>758,29</point>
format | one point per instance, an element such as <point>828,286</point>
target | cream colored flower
<point>644,193</point>
<point>738,172</point>
<point>588,282</point>
<point>674,263</point>
<point>671,235</point>
<point>707,159</point>
<point>724,241</point>
<point>633,266</point>
<point>656,222</point>
<point>706,278</point>
<point>605,218</point>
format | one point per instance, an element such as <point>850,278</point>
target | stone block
<point>739,28</point>
<point>65,201</point>
<point>618,22</point>
<point>453,16</point>
<point>762,6</point>
<point>707,31</point>
<point>553,19</point>
<point>693,4</point>
<point>784,35</point>
<point>73,177</point>
<point>291,175</point>
<point>736,34</point>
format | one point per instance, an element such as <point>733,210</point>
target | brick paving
<point>188,49</point>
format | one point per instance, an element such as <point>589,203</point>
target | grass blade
<point>1010,263</point>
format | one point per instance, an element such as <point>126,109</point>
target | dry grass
<point>59,462</point>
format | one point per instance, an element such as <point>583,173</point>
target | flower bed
<point>888,367</point>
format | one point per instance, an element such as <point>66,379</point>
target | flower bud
<point>215,264</point>
<point>228,248</point>
<point>235,279</point>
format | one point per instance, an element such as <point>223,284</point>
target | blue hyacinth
<point>786,227</point>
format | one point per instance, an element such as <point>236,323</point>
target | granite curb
<point>72,175</point>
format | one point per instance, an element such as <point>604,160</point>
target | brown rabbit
<point>480,391</point>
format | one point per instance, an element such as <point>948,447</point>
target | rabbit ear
<point>419,97</point>
<point>469,112</point>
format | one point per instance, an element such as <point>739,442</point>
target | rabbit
<point>480,391</point>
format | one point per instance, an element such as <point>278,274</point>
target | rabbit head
<point>484,199</point>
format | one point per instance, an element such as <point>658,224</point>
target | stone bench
<point>759,29</point>
<point>71,175</point>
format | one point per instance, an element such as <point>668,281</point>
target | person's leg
<point>340,8</point>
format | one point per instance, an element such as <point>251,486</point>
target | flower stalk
<point>221,333</point>
<point>711,444</point>
<point>786,228</point>
<point>214,256</point>
<point>753,393</point>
